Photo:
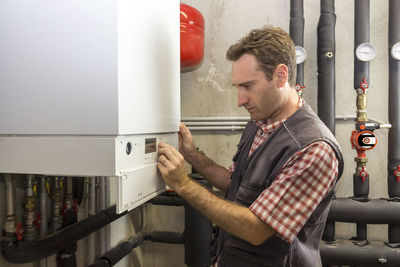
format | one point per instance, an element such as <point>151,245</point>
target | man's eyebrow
<point>243,83</point>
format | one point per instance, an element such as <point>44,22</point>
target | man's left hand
<point>172,166</point>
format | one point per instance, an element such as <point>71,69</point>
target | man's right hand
<point>215,174</point>
<point>186,144</point>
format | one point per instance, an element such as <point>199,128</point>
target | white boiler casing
<point>88,88</point>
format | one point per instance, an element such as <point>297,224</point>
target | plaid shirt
<point>298,188</point>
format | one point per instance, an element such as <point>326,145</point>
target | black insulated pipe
<point>394,115</point>
<point>375,211</point>
<point>326,79</point>
<point>165,237</point>
<point>24,252</point>
<point>361,72</point>
<point>113,256</point>
<point>198,231</point>
<point>394,100</point>
<point>67,257</point>
<point>371,255</point>
<point>329,232</point>
<point>361,35</point>
<point>296,32</point>
<point>360,187</point>
<point>326,63</point>
<point>362,229</point>
<point>167,199</point>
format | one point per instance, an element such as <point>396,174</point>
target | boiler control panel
<point>139,178</point>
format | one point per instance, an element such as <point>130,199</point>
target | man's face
<point>261,98</point>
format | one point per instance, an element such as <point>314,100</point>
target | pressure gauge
<point>301,54</point>
<point>395,51</point>
<point>366,52</point>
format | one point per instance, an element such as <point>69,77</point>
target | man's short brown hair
<point>271,46</point>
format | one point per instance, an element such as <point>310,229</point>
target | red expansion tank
<point>192,37</point>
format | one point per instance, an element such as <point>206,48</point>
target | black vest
<point>254,174</point>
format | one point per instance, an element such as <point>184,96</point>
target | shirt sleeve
<point>297,190</point>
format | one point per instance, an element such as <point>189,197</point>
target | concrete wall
<point>207,91</point>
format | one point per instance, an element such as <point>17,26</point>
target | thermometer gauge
<point>301,54</point>
<point>395,51</point>
<point>366,52</point>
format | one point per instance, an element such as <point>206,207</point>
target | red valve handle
<point>18,231</point>
<point>38,221</point>
<point>397,173</point>
<point>364,85</point>
<point>299,87</point>
<point>363,173</point>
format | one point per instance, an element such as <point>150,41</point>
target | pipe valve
<point>363,173</point>
<point>364,85</point>
<point>19,231</point>
<point>397,173</point>
<point>299,89</point>
<point>38,221</point>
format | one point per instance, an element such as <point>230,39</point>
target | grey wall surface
<point>207,91</point>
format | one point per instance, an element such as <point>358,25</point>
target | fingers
<point>182,127</point>
<point>180,139</point>
<point>168,150</point>
<point>164,164</point>
<point>162,168</point>
<point>163,160</point>
<point>184,131</point>
<point>163,145</point>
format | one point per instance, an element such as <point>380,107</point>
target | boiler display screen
<point>150,145</point>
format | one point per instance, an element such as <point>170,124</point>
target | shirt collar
<point>269,127</point>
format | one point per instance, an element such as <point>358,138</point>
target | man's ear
<point>281,74</point>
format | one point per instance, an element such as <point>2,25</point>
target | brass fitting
<point>361,107</point>
<point>361,161</point>
<point>29,203</point>
<point>57,195</point>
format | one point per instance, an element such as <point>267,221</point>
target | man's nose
<point>242,97</point>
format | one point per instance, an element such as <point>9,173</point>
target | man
<point>282,180</point>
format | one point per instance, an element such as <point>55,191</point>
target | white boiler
<point>88,88</point>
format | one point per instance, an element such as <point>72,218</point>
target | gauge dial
<point>366,52</point>
<point>395,51</point>
<point>301,54</point>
